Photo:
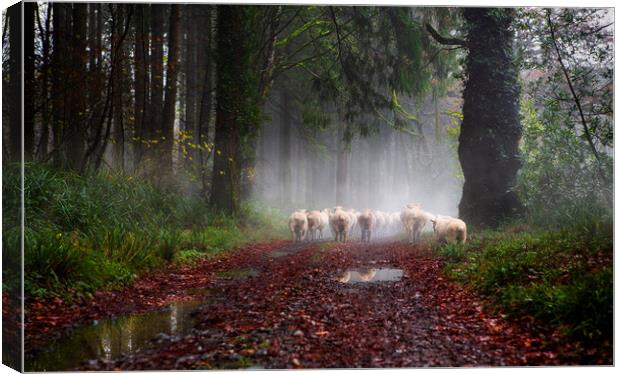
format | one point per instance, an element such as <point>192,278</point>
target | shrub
<point>562,277</point>
<point>103,229</point>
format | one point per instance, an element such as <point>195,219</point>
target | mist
<point>383,171</point>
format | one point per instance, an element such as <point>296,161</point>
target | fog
<point>384,171</point>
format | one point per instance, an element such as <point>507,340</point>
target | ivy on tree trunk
<point>490,132</point>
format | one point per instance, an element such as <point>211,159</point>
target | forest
<point>157,157</point>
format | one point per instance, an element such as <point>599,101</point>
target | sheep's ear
<point>433,220</point>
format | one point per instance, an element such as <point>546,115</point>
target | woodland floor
<point>291,311</point>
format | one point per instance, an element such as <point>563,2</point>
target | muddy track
<point>293,311</point>
<point>52,318</point>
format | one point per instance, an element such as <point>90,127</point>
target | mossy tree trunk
<point>490,132</point>
<point>14,15</point>
<point>233,98</point>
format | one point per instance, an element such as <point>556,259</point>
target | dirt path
<point>52,317</point>
<point>284,306</point>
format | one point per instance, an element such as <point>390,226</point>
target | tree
<point>45,32</point>
<point>251,44</point>
<point>237,119</point>
<point>29,83</point>
<point>15,82</point>
<point>167,122</point>
<point>567,112</point>
<point>156,101</point>
<point>285,121</point>
<point>141,41</point>
<point>120,17</point>
<point>489,139</point>
<point>60,86</point>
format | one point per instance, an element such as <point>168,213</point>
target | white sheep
<point>413,219</point>
<point>352,220</point>
<point>366,275</point>
<point>298,224</point>
<point>449,230</point>
<point>314,224</point>
<point>396,224</point>
<point>366,224</point>
<point>380,223</point>
<point>324,221</point>
<point>339,221</point>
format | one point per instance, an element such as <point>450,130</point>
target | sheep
<point>366,224</point>
<point>339,221</point>
<point>380,223</point>
<point>324,221</point>
<point>314,224</point>
<point>298,224</point>
<point>413,219</point>
<point>352,220</point>
<point>344,277</point>
<point>366,275</point>
<point>449,230</point>
<point>395,220</point>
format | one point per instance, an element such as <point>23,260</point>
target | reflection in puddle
<point>370,275</point>
<point>113,338</point>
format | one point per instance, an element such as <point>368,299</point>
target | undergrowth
<point>103,230</point>
<point>563,277</point>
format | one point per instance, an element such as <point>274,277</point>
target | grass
<point>563,277</point>
<point>102,230</point>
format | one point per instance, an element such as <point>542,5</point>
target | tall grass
<point>102,230</point>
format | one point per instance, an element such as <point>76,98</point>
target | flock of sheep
<point>343,223</point>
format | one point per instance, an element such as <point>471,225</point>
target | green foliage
<point>361,59</point>
<point>188,256</point>
<point>562,277</point>
<point>561,182</point>
<point>102,230</point>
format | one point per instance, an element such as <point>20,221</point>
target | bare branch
<point>586,130</point>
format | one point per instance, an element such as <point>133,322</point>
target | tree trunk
<point>157,81</point>
<point>206,100</point>
<point>171,92</point>
<point>45,105</point>
<point>141,83</point>
<point>267,59</point>
<point>342,167</point>
<point>14,14</point>
<point>118,147</point>
<point>490,133</point>
<point>191,84</point>
<point>29,82</point>
<point>77,101</point>
<point>285,149</point>
<point>59,82</point>
<point>231,86</point>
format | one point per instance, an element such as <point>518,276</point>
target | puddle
<point>110,339</point>
<point>370,275</point>
<point>238,273</point>
<point>276,254</point>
